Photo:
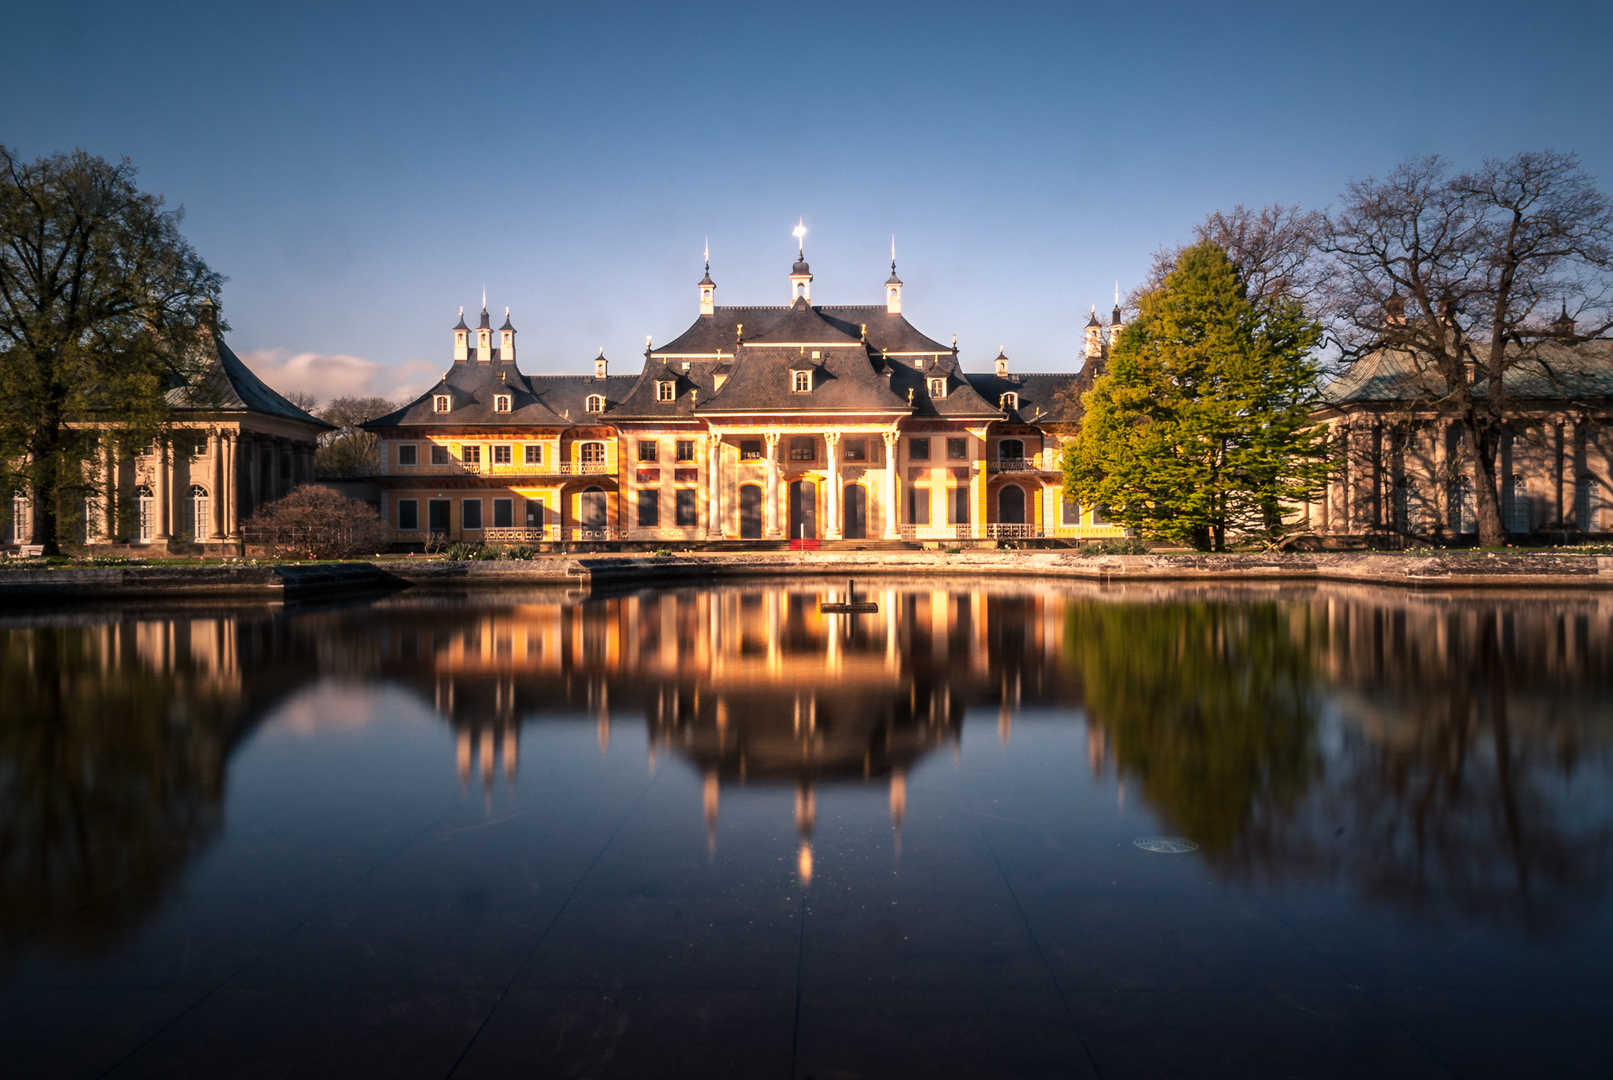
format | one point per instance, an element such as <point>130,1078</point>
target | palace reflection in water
<point>1444,756</point>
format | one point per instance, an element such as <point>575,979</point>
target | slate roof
<point>1557,372</point>
<point>698,383</point>
<point>1044,398</point>
<point>801,324</point>
<point>227,384</point>
<point>535,400</point>
<point>718,331</point>
<point>845,381</point>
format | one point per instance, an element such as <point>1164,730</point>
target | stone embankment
<point>328,579</point>
<point>321,580</point>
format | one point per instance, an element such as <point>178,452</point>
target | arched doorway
<point>803,510</point>
<point>145,510</point>
<point>592,515</point>
<point>750,512</point>
<point>1011,505</point>
<point>856,512</point>
<point>196,510</point>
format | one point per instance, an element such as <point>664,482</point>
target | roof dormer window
<point>1010,401</point>
<point>595,403</point>
<point>501,403</point>
<point>801,382</point>
<point>666,390</point>
<point>441,403</point>
<point>938,388</point>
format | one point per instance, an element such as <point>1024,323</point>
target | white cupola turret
<point>484,336</point>
<point>708,289</point>
<point>1002,364</point>
<point>893,286</point>
<point>1094,336</point>
<point>506,340</point>
<point>600,364</point>
<point>800,273</point>
<point>461,340</point>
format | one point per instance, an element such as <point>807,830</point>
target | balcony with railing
<point>919,533</point>
<point>510,469</point>
<point>1017,465</point>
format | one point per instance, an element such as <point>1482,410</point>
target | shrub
<point>315,522</point>
<point>1128,545</point>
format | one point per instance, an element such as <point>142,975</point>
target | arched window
<point>596,403</point>
<point>441,402</point>
<point>196,508</point>
<point>1515,504</point>
<point>1010,401</point>
<point>938,388</point>
<point>1464,519</point>
<point>1587,505</point>
<point>1011,450</point>
<point>501,403</point>
<point>592,453</point>
<point>145,507</point>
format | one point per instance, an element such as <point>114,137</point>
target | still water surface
<point>716,833</point>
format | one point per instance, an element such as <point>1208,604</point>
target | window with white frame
<point>196,508</point>
<point>592,453</point>
<point>501,402</point>
<point>408,454</point>
<point>666,390</point>
<point>1010,401</point>
<point>938,388</point>
<point>145,506</point>
<point>534,453</point>
<point>441,403</point>
<point>801,381</point>
<point>501,454</point>
<point>596,403</point>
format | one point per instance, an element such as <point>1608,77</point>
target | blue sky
<point>359,172</point>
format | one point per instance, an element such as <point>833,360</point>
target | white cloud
<point>333,375</point>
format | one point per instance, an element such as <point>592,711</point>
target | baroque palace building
<point>1403,473</point>
<point>233,445</point>
<point>797,422</point>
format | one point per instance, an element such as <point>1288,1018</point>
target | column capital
<point>890,437</point>
<point>832,438</point>
<point>772,438</point>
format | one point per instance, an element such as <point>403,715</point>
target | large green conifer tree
<point>1201,428</point>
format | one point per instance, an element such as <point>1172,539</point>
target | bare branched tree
<point>314,522</point>
<point>350,450</point>
<point>303,400</point>
<point>1469,275</point>
<point>1273,250</point>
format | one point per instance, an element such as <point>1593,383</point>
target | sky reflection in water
<point>442,794</point>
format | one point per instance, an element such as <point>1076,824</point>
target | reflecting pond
<point>992,829</point>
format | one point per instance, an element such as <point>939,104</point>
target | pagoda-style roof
<point>1551,371</point>
<point>226,384</point>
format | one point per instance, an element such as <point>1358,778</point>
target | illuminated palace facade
<point>761,423</point>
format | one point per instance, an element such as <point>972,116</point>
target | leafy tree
<point>1201,426</point>
<point>1467,273</point>
<point>99,300</point>
<point>314,522</point>
<point>349,450</point>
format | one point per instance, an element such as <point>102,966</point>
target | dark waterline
<point>715,833</point>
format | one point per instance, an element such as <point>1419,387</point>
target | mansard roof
<point>535,400</point>
<point>802,325</point>
<point>641,402</point>
<point>718,332</point>
<point>227,384</point>
<point>1553,372</point>
<point>845,381</point>
<point>1043,397</point>
<point>960,402</point>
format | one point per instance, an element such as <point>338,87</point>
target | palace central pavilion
<point>757,423</point>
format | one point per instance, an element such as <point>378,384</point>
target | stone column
<point>770,523</point>
<point>109,502</point>
<point>1567,472</point>
<point>232,484</point>
<point>831,496</point>
<point>162,483</point>
<point>891,531</point>
<point>249,461</point>
<point>215,455</point>
<point>714,520</point>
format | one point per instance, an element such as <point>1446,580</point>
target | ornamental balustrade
<point>487,468</point>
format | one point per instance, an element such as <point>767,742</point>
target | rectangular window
<point>534,453</point>
<point>918,506</point>
<point>960,506</point>
<point>438,509</point>
<point>1100,515</point>
<point>408,454</point>
<point>855,450</point>
<point>439,455</point>
<point>957,449</point>
<point>686,476</point>
<point>503,513</point>
<point>750,450</point>
<point>409,514</point>
<point>803,448</point>
<point>649,509</point>
<point>1071,511</point>
<point>685,449</point>
<point>470,454</point>
<point>501,455</point>
<point>534,514</point>
<point>686,508</point>
<point>665,391</point>
<point>647,449</point>
<point>918,449</point>
<point>470,514</point>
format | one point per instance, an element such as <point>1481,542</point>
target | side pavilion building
<point>757,423</point>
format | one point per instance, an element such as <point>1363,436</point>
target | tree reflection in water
<point>1446,757</point>
<point>1462,768</point>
